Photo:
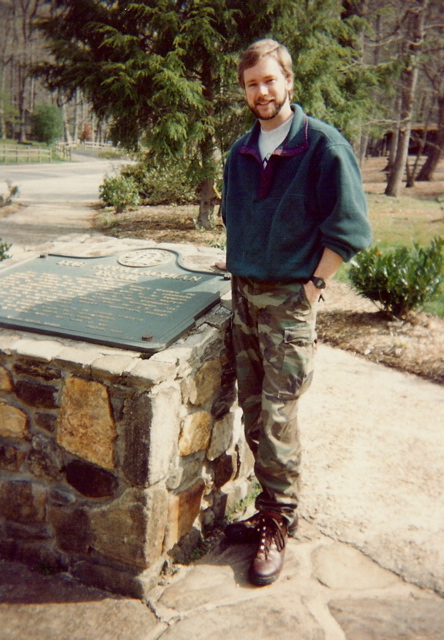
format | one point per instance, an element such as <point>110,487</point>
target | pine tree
<point>158,69</point>
<point>164,71</point>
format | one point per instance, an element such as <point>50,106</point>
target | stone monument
<point>120,437</point>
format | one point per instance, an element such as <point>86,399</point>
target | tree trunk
<point>2,102</point>
<point>207,193</point>
<point>435,153</point>
<point>394,183</point>
<point>22,112</point>
<point>75,133</point>
<point>411,173</point>
<point>410,182</point>
<point>393,148</point>
<point>429,166</point>
<point>206,204</point>
<point>66,132</point>
<point>393,144</point>
<point>363,146</point>
<point>409,81</point>
<point>5,60</point>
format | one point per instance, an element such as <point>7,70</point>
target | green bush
<point>162,183</point>
<point>4,250</point>
<point>120,192</point>
<point>47,123</point>
<point>401,280</point>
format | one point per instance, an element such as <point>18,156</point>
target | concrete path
<point>76,182</point>
<point>373,452</point>
<point>34,225</point>
<point>54,200</point>
<point>368,563</point>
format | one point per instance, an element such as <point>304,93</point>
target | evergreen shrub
<point>120,192</point>
<point>162,183</point>
<point>401,280</point>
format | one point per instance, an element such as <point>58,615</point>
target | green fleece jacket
<point>309,196</point>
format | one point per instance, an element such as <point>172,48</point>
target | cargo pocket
<point>297,362</point>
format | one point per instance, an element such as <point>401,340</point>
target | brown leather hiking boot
<point>269,559</point>
<point>249,530</point>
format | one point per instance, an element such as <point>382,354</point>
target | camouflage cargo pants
<point>274,341</point>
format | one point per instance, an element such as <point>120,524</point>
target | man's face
<point>266,90</point>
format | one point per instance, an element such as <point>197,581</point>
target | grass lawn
<point>417,215</point>
<point>404,220</point>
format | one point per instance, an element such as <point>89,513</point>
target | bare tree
<point>404,41</point>
<point>419,137</point>
<point>25,14</point>
<point>20,47</point>
<point>414,19</point>
<point>434,70</point>
<point>436,148</point>
<point>6,28</point>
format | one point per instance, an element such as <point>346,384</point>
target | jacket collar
<point>296,142</point>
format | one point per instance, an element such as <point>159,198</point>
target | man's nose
<point>262,89</point>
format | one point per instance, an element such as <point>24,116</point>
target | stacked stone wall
<point>110,460</point>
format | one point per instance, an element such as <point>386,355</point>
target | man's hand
<point>326,269</point>
<point>313,293</point>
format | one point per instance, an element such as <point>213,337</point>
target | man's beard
<point>277,106</point>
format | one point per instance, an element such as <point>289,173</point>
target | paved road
<point>55,200</point>
<point>64,182</point>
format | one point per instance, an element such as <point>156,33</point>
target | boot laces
<point>273,530</point>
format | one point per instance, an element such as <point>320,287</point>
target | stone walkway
<point>368,563</point>
<point>327,591</point>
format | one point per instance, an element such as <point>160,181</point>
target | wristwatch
<point>319,283</point>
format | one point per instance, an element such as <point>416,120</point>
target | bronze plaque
<point>142,299</point>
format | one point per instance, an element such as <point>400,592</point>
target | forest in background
<point>160,75</point>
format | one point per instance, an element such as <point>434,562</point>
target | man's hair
<point>260,49</point>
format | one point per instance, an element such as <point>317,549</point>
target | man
<point>294,210</point>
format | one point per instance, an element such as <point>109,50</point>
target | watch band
<point>319,283</point>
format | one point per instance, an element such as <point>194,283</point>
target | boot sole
<point>262,581</point>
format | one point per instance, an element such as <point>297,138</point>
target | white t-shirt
<point>270,140</point>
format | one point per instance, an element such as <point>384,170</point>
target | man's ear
<point>290,86</point>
